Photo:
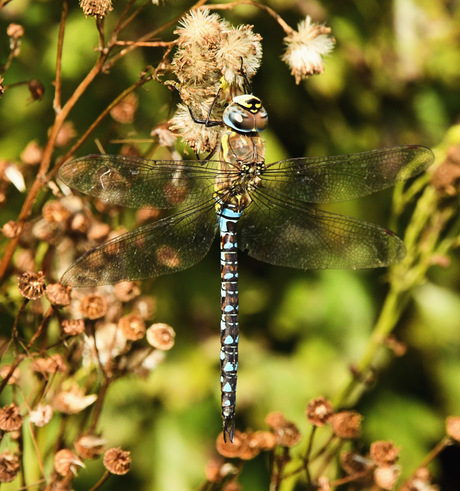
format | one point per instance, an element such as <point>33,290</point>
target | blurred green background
<point>392,79</point>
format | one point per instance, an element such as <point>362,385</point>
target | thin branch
<point>58,80</point>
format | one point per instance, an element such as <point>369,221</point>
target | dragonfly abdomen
<point>229,335</point>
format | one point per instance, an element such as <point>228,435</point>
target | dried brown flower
<point>58,295</point>
<point>385,477</point>
<point>132,326</point>
<point>10,229</point>
<point>55,212</point>
<point>453,427</point>
<point>96,8</point>
<point>15,31</point>
<point>73,401</point>
<point>32,285</point>
<point>36,89</point>
<point>32,154</point>
<point>346,424</point>
<point>93,306</point>
<point>446,177</point>
<point>421,480</point>
<point>319,411</point>
<point>80,223</point>
<point>145,214</point>
<point>145,307</point>
<point>66,462</point>
<point>5,371</point>
<point>66,133</point>
<point>10,418</point>
<point>98,231</point>
<point>41,416</point>
<point>243,447</point>
<point>384,453</point>
<point>25,260</point>
<point>126,290</point>
<point>50,364</point>
<point>125,110</point>
<point>90,446</point>
<point>9,466</point>
<point>286,433</point>
<point>117,461</point>
<point>73,327</point>
<point>161,336</point>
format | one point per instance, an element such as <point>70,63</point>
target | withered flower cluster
<point>212,64</point>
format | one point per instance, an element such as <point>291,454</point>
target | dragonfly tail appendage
<point>229,335</point>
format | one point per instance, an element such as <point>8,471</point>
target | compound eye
<point>261,119</point>
<point>239,119</point>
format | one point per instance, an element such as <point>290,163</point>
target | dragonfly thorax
<point>245,114</point>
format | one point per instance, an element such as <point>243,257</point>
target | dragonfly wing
<point>345,177</point>
<point>166,246</point>
<point>299,236</point>
<point>136,182</point>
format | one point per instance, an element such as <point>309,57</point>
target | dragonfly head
<point>245,114</point>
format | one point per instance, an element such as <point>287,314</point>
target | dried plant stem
<point>229,6</point>
<point>101,481</point>
<point>46,161</point>
<point>446,441</point>
<point>57,92</point>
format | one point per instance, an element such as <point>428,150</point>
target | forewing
<point>288,234</point>
<point>136,182</point>
<point>345,177</point>
<point>166,246</point>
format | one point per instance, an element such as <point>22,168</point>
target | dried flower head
<point>125,110</point>
<point>10,418</point>
<point>446,177</point>
<point>90,446</point>
<point>66,462</point>
<point>346,424</point>
<point>453,427</point>
<point>286,433</point>
<point>110,342</point>
<point>58,295</point>
<point>32,154</point>
<point>32,285</point>
<point>10,229</point>
<point>50,364</point>
<point>117,461</point>
<point>9,466</point>
<point>164,135</point>
<point>161,336</point>
<point>73,327</point>
<point>126,290</point>
<point>384,453</point>
<point>319,411</point>
<point>66,133</point>
<point>305,47</point>
<point>41,416</point>
<point>212,58</point>
<point>55,212</point>
<point>36,90</point>
<point>132,326</point>
<point>242,447</point>
<point>7,371</point>
<point>15,31</point>
<point>98,231</point>
<point>73,401</point>
<point>385,477</point>
<point>96,8</point>
<point>93,306</point>
<point>145,307</point>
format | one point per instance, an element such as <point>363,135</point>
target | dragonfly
<point>266,209</point>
